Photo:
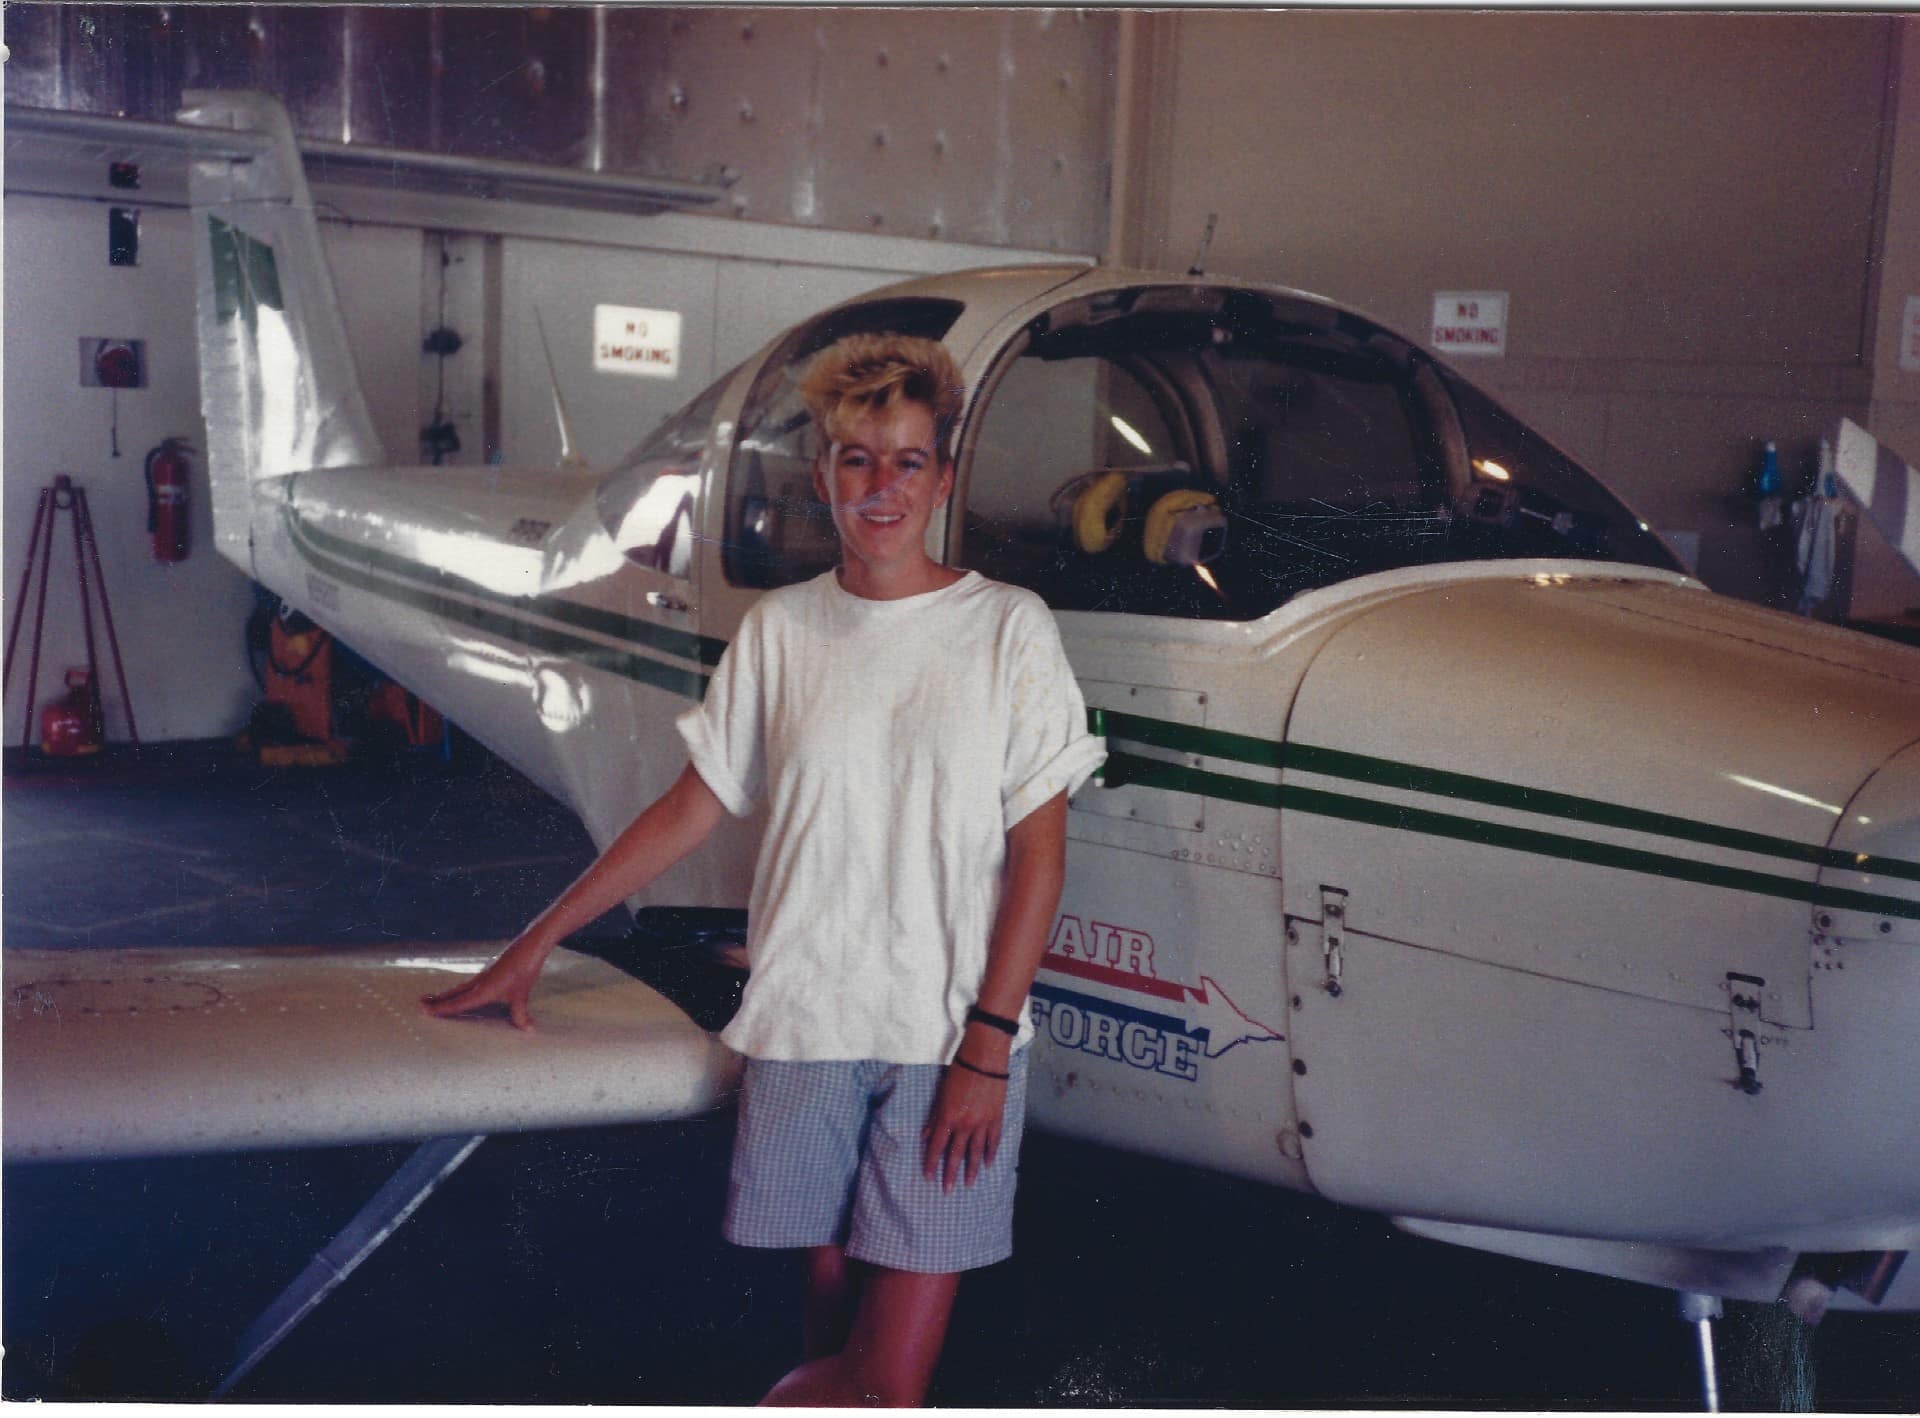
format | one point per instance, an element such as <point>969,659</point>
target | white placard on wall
<point>1910,335</point>
<point>627,340</point>
<point>1468,322</point>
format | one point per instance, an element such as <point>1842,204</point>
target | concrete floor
<point>587,1267</point>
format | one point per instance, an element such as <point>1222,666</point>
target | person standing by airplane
<point>915,731</point>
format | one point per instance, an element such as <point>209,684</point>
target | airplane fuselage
<point>1486,893</point>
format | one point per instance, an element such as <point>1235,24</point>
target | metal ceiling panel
<point>968,125</point>
<point>972,125</point>
<point>515,82</point>
<point>392,80</point>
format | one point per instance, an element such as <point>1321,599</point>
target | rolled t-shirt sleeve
<point>723,733</point>
<point>1049,750</point>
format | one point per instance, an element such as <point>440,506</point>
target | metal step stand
<point>1701,1311</point>
<point>431,1164</point>
<point>65,495</point>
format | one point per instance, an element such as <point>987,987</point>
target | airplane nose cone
<point>1628,910</point>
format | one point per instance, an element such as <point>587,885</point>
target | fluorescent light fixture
<point>1487,468</point>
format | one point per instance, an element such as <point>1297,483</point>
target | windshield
<point>1524,497</point>
<point>648,502</point>
<point>1214,453</point>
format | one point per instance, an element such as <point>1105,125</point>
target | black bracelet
<point>983,1072</point>
<point>977,1015</point>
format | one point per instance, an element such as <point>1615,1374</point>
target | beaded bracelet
<point>977,1015</point>
<point>983,1072</point>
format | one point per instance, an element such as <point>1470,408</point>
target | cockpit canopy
<point>1212,453</point>
<point>1199,451</point>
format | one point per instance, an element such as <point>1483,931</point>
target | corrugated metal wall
<point>989,126</point>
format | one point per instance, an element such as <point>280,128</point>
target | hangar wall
<point>1689,213</point>
<point>179,624</point>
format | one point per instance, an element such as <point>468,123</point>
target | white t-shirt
<point>896,742</point>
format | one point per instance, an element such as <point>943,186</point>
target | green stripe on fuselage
<point>665,639</point>
<point>1125,770</point>
<point>508,623</point>
<point>1388,773</point>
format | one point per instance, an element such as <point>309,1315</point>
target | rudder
<point>278,387</point>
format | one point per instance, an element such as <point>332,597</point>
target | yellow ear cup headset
<point>1098,510</point>
<point>1179,523</point>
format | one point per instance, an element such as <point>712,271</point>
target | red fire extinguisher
<point>167,470</point>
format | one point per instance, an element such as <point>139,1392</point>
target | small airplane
<point>1458,856</point>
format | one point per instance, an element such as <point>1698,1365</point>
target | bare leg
<point>831,1292</point>
<point>899,1326</point>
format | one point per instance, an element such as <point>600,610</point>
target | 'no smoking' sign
<point>1470,322</point>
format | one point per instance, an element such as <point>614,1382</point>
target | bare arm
<point>678,821</point>
<point>964,1124</point>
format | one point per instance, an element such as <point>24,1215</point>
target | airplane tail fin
<point>278,386</point>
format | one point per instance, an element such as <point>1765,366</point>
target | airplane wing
<point>121,1053</point>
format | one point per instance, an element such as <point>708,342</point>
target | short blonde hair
<point>862,373</point>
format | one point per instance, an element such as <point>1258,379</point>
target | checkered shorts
<point>830,1153</point>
